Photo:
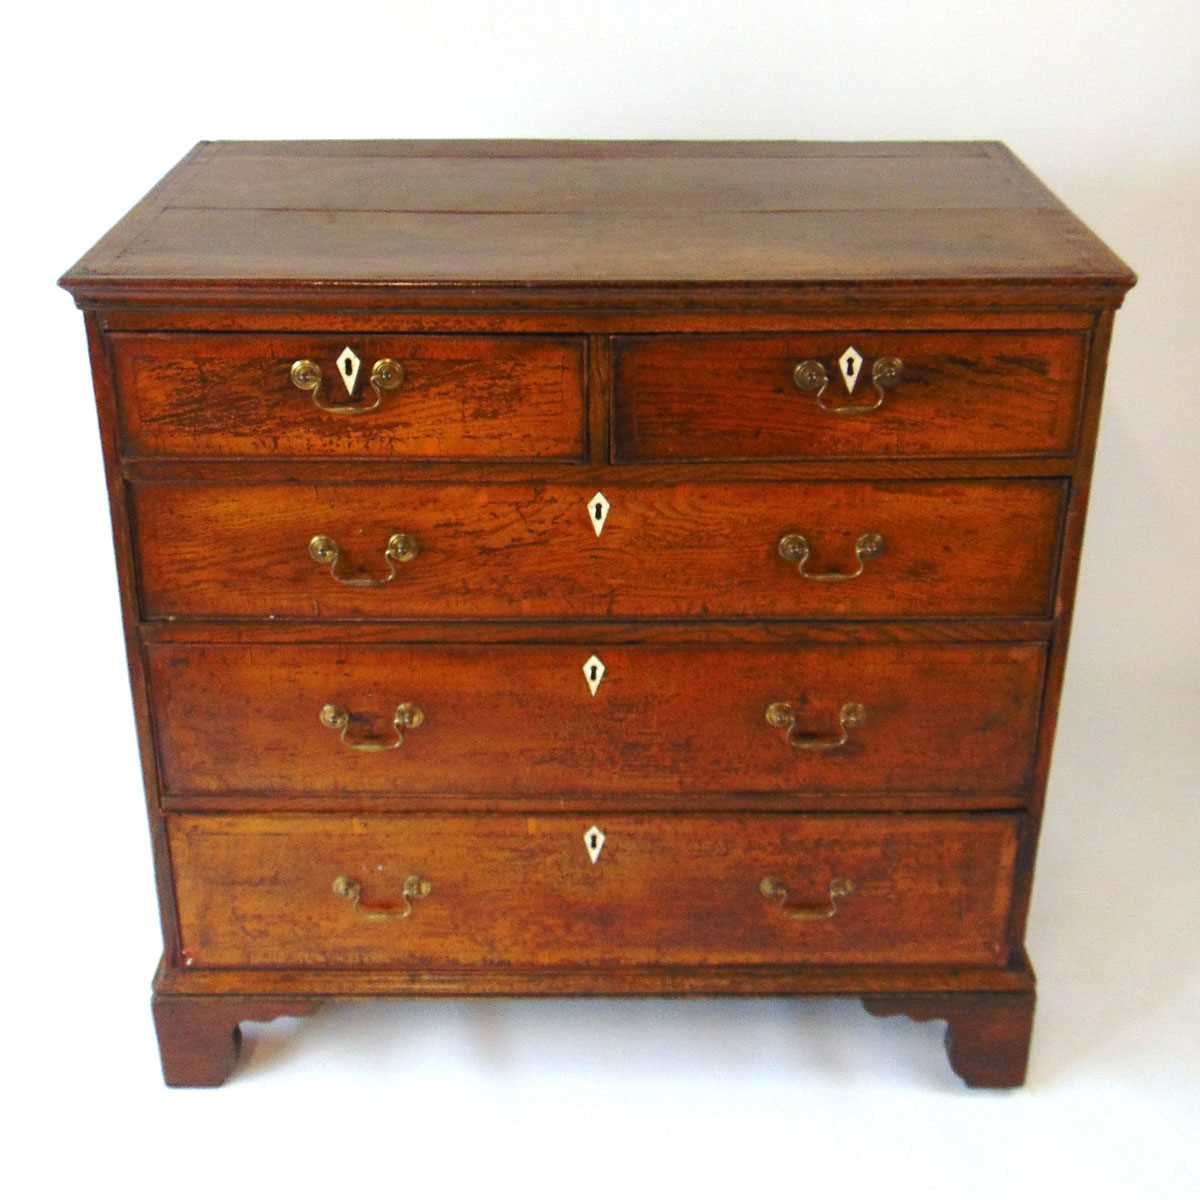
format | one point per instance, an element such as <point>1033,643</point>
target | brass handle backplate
<point>774,891</point>
<point>386,376</point>
<point>407,716</point>
<point>401,548</point>
<point>794,548</point>
<point>351,890</point>
<point>811,375</point>
<point>782,715</point>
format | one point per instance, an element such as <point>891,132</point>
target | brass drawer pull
<point>350,889</point>
<point>401,548</point>
<point>774,891</point>
<point>811,376</point>
<point>407,716</point>
<point>386,376</point>
<point>794,548</point>
<point>783,716</point>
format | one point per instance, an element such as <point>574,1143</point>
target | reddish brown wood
<point>987,1033</point>
<point>358,470</point>
<point>199,1037</point>
<point>576,802</point>
<point>127,575</point>
<point>523,721</point>
<point>1068,578</point>
<point>676,180</point>
<point>658,979</point>
<point>599,390</point>
<point>605,247</point>
<point>460,398</point>
<point>585,633</point>
<point>523,891</point>
<point>520,551</point>
<point>565,308</point>
<point>616,311</point>
<point>959,394</point>
<point>280,213</point>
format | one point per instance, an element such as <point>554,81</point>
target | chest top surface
<point>336,215</point>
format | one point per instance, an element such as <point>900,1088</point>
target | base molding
<point>593,981</point>
<point>988,1011</point>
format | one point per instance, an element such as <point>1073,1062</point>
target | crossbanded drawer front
<point>422,892</point>
<point>847,395</point>
<point>347,395</point>
<point>688,551</point>
<point>425,720</point>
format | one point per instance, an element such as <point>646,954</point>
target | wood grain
<point>523,891</point>
<point>697,181</point>
<point>734,397</point>
<point>595,633</point>
<point>987,1035</point>
<point>506,552</point>
<point>576,317</point>
<point>522,720</point>
<point>597,213</point>
<point>461,398</point>
<point>778,980</point>
<point>199,1038</point>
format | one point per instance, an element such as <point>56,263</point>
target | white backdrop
<point>1103,101</point>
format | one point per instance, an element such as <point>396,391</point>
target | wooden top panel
<point>596,213</point>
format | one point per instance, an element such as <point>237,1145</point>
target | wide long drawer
<point>473,719</point>
<point>867,394</point>
<point>502,551</point>
<point>535,891</point>
<point>370,396</point>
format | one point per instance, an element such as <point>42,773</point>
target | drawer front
<point>451,398</point>
<point>492,551</point>
<point>523,891</point>
<point>522,720</point>
<point>956,394</point>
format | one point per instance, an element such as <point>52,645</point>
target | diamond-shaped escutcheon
<point>348,364</point>
<point>593,672</point>
<point>594,841</point>
<point>598,507</point>
<point>850,364</point>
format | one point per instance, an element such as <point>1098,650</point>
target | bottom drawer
<point>429,892</point>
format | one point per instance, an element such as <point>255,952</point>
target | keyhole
<point>347,368</point>
<point>594,841</point>
<point>599,511</point>
<point>593,680</point>
<point>851,369</point>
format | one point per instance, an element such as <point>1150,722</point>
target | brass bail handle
<point>774,891</point>
<point>386,376</point>
<point>782,715</point>
<point>401,548</point>
<point>350,890</point>
<point>407,716</point>
<point>811,375</point>
<point>794,548</point>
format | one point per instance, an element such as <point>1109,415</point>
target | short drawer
<point>389,891</point>
<point>241,720</point>
<point>689,551</point>
<point>913,395</point>
<point>440,397</point>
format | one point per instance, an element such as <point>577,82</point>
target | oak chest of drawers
<point>597,568</point>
